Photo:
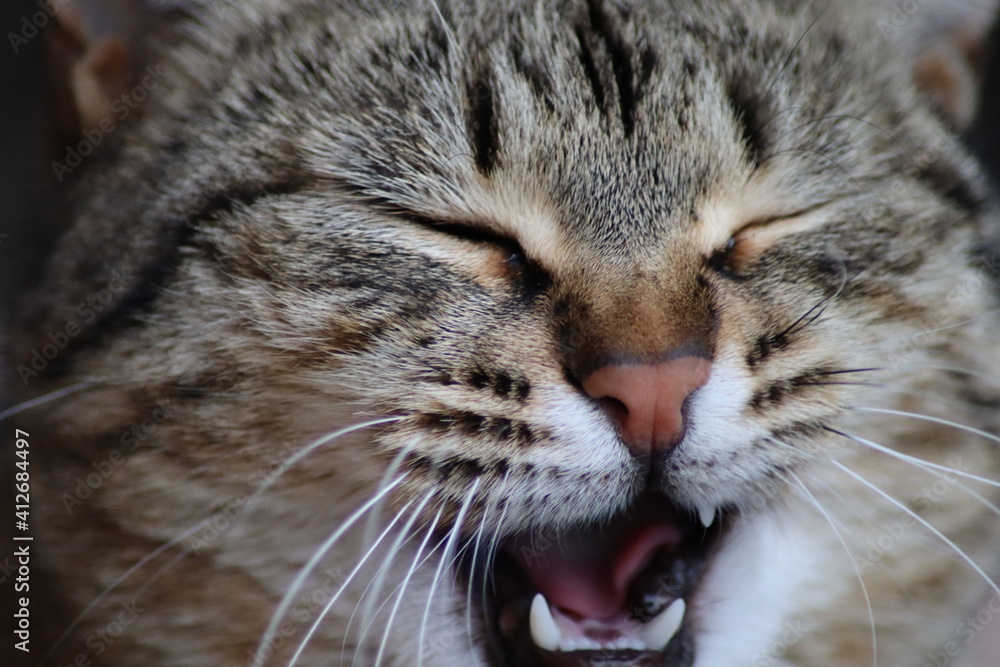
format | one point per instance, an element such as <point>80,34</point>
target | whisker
<point>399,586</point>
<point>791,53</point>
<point>375,586</point>
<point>452,42</point>
<point>817,310</point>
<point>978,496</point>
<point>920,463</point>
<point>386,564</point>
<point>927,332</point>
<point>297,583</point>
<point>818,157</point>
<point>850,556</point>
<point>453,536</point>
<point>840,384</point>
<point>859,508</point>
<point>472,572</point>
<point>856,508</point>
<point>946,367</point>
<point>406,582</point>
<point>290,462</point>
<point>371,526</point>
<point>923,522</point>
<point>163,570</point>
<point>495,540</point>
<point>48,398</point>
<point>345,583</point>
<point>852,370</point>
<point>936,420</point>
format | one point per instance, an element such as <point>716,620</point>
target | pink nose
<point>653,396</point>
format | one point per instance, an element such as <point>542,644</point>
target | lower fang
<point>659,631</point>
<point>706,514</point>
<point>544,631</point>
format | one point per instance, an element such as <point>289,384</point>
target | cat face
<point>626,304</point>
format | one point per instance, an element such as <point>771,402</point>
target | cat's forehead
<point>599,125</point>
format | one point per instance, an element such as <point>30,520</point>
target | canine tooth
<point>659,631</point>
<point>544,631</point>
<point>706,513</point>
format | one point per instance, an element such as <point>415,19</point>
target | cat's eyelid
<point>480,236</point>
<point>472,233</point>
<point>468,232</point>
<point>782,217</point>
<point>800,220</point>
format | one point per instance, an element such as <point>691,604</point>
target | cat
<point>494,334</point>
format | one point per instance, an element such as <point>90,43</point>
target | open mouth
<point>616,593</point>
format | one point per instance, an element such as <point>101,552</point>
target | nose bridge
<point>638,318</point>
<point>655,321</point>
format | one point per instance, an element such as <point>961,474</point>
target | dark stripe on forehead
<point>610,63</point>
<point>481,119</point>
<point>589,63</point>
<point>751,118</point>
<point>533,73</point>
<point>606,26</point>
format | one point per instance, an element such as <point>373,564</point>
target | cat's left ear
<point>947,41</point>
<point>96,50</point>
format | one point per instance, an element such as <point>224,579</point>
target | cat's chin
<point>613,593</point>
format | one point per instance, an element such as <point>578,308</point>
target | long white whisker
<point>406,582</point>
<point>376,585</point>
<point>945,367</point>
<point>374,517</point>
<point>48,398</point>
<point>929,468</point>
<point>495,540</point>
<point>286,601</point>
<point>451,35</point>
<point>856,509</point>
<point>927,332</point>
<point>915,460</point>
<point>472,570</point>
<point>452,538</point>
<point>345,583</point>
<point>850,556</point>
<point>386,564</point>
<point>923,522</point>
<point>160,572</point>
<point>288,463</point>
<point>399,586</point>
<point>936,420</point>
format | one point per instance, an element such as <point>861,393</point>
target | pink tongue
<point>588,573</point>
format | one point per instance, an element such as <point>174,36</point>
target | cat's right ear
<point>98,49</point>
<point>947,42</point>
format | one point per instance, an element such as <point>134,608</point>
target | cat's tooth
<point>706,514</point>
<point>658,632</point>
<point>544,631</point>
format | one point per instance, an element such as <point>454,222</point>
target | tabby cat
<point>520,334</point>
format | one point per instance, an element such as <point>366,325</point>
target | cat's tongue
<point>587,573</point>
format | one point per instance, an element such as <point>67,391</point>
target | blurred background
<point>22,148</point>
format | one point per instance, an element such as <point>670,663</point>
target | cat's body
<point>458,217</point>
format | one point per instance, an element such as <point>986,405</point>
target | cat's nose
<point>650,398</point>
